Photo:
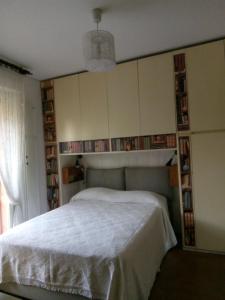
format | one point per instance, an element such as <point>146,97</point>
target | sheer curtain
<point>12,142</point>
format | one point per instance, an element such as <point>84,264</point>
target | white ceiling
<point>46,35</point>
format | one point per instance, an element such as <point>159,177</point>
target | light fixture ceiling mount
<point>99,48</point>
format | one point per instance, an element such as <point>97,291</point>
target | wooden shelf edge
<point>117,152</point>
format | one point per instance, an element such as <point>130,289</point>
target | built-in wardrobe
<point>170,101</point>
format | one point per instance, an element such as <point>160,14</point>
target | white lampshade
<point>99,51</point>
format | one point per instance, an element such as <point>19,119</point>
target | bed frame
<point>155,179</point>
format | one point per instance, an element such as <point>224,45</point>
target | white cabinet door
<point>157,94</point>
<point>36,193</point>
<point>206,86</point>
<point>209,190</point>
<point>93,100</point>
<point>122,86</point>
<point>67,109</point>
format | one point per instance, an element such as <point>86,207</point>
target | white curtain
<point>12,142</point>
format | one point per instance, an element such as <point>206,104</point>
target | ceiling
<point>45,36</point>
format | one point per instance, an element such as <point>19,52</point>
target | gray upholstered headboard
<point>108,178</point>
<point>155,179</point>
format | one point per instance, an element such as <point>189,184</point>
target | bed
<point>107,243</point>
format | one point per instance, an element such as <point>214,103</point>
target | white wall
<point>36,178</point>
<point>129,159</point>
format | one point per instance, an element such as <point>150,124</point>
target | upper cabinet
<point>122,87</point>
<point>206,87</point>
<point>157,96</point>
<point>93,101</point>
<point>67,108</point>
<point>138,97</point>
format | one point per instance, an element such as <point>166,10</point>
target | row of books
<point>51,152</point>
<point>187,200</point>
<point>189,237</point>
<point>183,122</point>
<point>125,144</point>
<point>53,180</point>
<point>144,142</point>
<point>186,185</point>
<point>50,135</point>
<point>189,230</point>
<point>48,119</point>
<point>96,146</point>
<point>184,147</point>
<point>163,141</point>
<point>180,84</point>
<point>52,193</point>
<point>51,166</point>
<point>120,144</point>
<point>181,92</point>
<point>48,107</point>
<point>183,102</point>
<point>184,144</point>
<point>179,62</point>
<point>53,197</point>
<point>188,219</point>
<point>46,84</point>
<point>71,147</point>
<point>186,181</point>
<point>84,146</point>
<point>47,94</point>
<point>185,164</point>
<point>182,112</point>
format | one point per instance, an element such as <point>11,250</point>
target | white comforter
<point>104,244</point>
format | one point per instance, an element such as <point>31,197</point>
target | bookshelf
<point>49,126</point>
<point>125,144</point>
<point>183,126</point>
<point>147,142</point>
<point>88,146</point>
<point>135,143</point>
<point>186,190</point>
<point>181,92</point>
<point>92,146</point>
<point>162,141</point>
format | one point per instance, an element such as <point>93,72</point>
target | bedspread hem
<point>55,288</point>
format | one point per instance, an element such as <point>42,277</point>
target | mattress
<point>104,244</point>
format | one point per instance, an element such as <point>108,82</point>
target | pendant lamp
<point>99,48</point>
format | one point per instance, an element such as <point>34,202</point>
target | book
<point>179,62</point>
<point>187,200</point>
<point>158,141</point>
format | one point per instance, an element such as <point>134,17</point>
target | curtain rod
<point>14,68</point>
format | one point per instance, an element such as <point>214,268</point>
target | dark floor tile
<point>189,275</point>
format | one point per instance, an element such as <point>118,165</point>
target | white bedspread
<point>104,244</point>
